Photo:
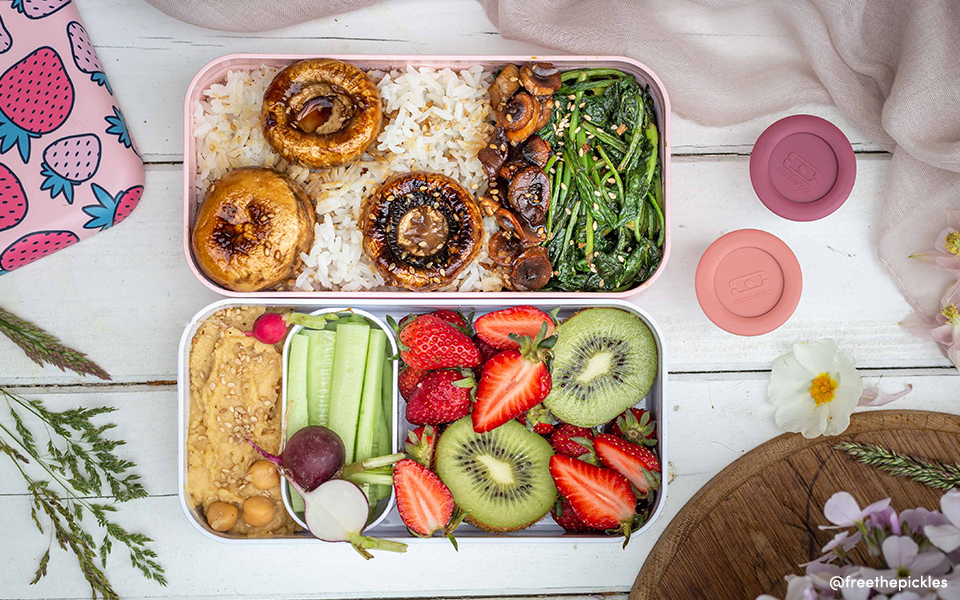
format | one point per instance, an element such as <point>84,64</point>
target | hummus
<point>234,390</point>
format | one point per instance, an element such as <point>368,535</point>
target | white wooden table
<point>125,296</point>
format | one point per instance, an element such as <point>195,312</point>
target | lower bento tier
<point>561,171</point>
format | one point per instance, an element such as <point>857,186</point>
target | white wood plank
<point>124,296</point>
<point>712,421</point>
<point>151,58</point>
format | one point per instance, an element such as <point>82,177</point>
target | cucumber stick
<point>296,409</point>
<point>319,374</point>
<point>346,390</point>
<point>371,403</point>
<point>386,430</point>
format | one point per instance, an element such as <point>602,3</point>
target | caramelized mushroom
<point>510,169</point>
<point>503,249</point>
<point>504,86</point>
<point>510,224</point>
<point>531,270</point>
<point>536,151</point>
<point>494,154</point>
<point>529,195</point>
<point>421,229</point>
<point>546,111</point>
<point>540,79</point>
<point>488,205</point>
<point>321,113</point>
<point>519,117</point>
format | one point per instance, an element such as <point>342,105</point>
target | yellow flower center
<point>823,388</point>
<point>952,314</point>
<point>953,242</point>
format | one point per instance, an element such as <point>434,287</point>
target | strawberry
<point>408,380</point>
<point>442,397</point>
<point>424,502</point>
<point>538,420</point>
<point>421,443</point>
<point>450,316</point>
<point>633,461</point>
<point>495,328</point>
<point>486,350</point>
<point>563,440</point>
<point>636,426</point>
<point>512,383</point>
<point>565,517</point>
<point>601,498</point>
<point>428,342</point>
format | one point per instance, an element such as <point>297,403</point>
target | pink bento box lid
<point>68,166</point>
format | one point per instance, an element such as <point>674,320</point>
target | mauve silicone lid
<point>748,282</point>
<point>803,168</point>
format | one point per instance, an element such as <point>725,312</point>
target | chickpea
<point>263,475</point>
<point>258,511</point>
<point>221,516</point>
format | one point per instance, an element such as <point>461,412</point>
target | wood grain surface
<point>759,518</point>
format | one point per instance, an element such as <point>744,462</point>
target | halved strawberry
<point>564,440</point>
<point>495,328</point>
<point>600,497</point>
<point>512,383</point>
<point>486,350</point>
<point>409,379</point>
<point>428,342</point>
<point>538,419</point>
<point>564,516</point>
<point>633,461</point>
<point>442,397</point>
<point>636,426</point>
<point>424,502</point>
<point>421,443</point>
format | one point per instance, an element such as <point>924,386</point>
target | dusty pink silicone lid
<point>803,168</point>
<point>748,282</point>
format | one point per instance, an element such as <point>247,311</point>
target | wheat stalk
<point>933,473</point>
<point>44,348</point>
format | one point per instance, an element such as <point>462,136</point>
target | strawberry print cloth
<point>68,166</point>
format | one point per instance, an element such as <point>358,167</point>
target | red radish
<point>310,457</point>
<point>633,461</point>
<point>600,497</point>
<point>337,511</point>
<point>269,328</point>
<point>495,328</point>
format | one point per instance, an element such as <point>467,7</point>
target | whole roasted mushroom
<point>421,230</point>
<point>511,225</point>
<point>519,117</point>
<point>540,79</point>
<point>536,151</point>
<point>504,86</point>
<point>510,169</point>
<point>529,195</point>
<point>531,270</point>
<point>321,113</point>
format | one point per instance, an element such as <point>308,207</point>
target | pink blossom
<point>947,536</point>
<point>943,328</point>
<point>946,255</point>
<point>843,511</point>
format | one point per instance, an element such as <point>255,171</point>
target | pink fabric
<point>890,66</point>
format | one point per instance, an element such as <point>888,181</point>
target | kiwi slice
<point>604,361</point>
<point>501,478</point>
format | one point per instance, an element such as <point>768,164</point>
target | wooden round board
<point>758,519</point>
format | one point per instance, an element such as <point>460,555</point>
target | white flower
<point>947,536</point>
<point>798,588</point>
<point>843,511</point>
<point>904,560</point>
<point>815,389</point>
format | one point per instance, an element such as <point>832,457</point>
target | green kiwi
<point>604,361</point>
<point>501,478</point>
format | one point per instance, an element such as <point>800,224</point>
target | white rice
<point>437,121</point>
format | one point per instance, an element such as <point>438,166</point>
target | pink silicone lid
<point>748,282</point>
<point>803,168</point>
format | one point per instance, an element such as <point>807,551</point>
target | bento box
<point>218,70</point>
<point>389,525</point>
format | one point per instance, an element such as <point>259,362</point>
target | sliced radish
<point>337,511</point>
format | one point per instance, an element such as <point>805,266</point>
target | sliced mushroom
<point>504,86</point>
<point>536,151</point>
<point>531,270</point>
<point>546,111</point>
<point>503,249</point>
<point>529,195</point>
<point>494,154</point>
<point>519,117</point>
<point>511,224</point>
<point>510,169</point>
<point>540,79</point>
<point>488,205</point>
